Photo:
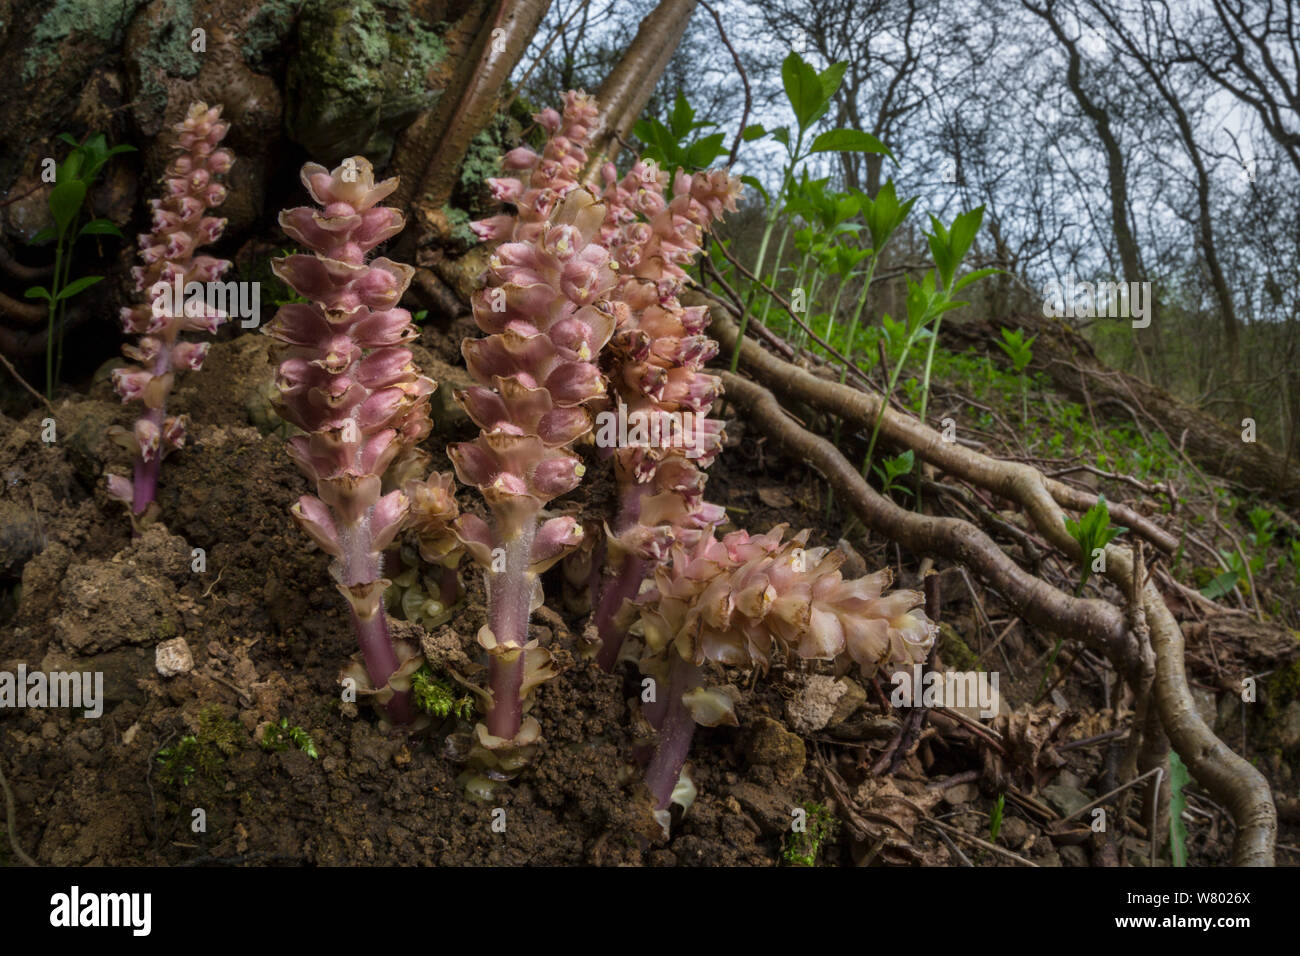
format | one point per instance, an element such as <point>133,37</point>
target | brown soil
<point>268,634</point>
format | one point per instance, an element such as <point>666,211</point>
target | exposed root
<point>10,813</point>
<point>1098,623</point>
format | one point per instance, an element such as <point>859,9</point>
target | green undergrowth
<point>202,755</point>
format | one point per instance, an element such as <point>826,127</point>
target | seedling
<point>72,181</point>
<point>278,737</point>
<point>895,468</point>
<point>1020,351</point>
<point>995,818</point>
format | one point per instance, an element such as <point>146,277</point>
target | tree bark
<point>626,91</point>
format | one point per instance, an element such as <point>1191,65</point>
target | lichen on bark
<point>360,74</point>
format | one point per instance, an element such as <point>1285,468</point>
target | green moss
<point>359,76</point>
<point>268,29</point>
<point>278,737</point>
<point>97,20</point>
<point>167,628</point>
<point>801,849</point>
<point>955,652</point>
<point>201,755</point>
<point>437,697</point>
<point>459,220</point>
<point>166,51</point>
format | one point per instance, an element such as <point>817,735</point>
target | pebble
<point>173,658</point>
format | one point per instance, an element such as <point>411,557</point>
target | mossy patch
<point>167,51</point>
<point>358,76</point>
<point>102,24</point>
<point>201,756</point>
<point>268,29</point>
<point>955,652</point>
<point>803,845</point>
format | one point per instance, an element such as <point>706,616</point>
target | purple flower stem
<point>381,662</point>
<point>624,584</point>
<point>509,608</point>
<point>675,734</point>
<point>145,486</point>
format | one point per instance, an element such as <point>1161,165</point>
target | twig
<point>23,382</point>
<point>1089,741</point>
<point>744,78</point>
<point>981,843</point>
<point>10,815</point>
<point>1104,797</point>
<point>851,366</point>
<point>965,861</point>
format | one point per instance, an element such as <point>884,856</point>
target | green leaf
<point>65,202</point>
<point>849,141</point>
<point>38,292</point>
<point>45,235</point>
<point>831,78</point>
<point>77,285</point>
<point>901,465</point>
<point>753,183</point>
<point>975,276</point>
<point>753,132</point>
<point>702,153</point>
<point>68,138</point>
<point>782,136</point>
<point>100,227</point>
<point>71,167</point>
<point>803,88</point>
<point>964,228</point>
<point>1178,778</point>
<point>681,119</point>
<point>1220,586</point>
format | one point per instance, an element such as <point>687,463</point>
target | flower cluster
<point>539,182</point>
<point>656,367</point>
<point>740,601</point>
<point>170,265</point>
<point>546,318</point>
<point>346,380</point>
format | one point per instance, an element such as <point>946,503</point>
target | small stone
<point>1014,833</point>
<point>770,744</point>
<point>1066,800</point>
<point>1073,856</point>
<point>173,658</point>
<point>812,708</point>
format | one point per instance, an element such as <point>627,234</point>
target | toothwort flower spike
<point>546,317</point>
<point>656,369</point>
<point>346,380</point>
<point>180,226</point>
<point>536,183</point>
<point>740,601</point>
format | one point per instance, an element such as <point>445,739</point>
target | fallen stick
<point>1098,623</point>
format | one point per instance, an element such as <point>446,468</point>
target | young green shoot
<point>1020,351</point>
<point>72,180</point>
<point>1092,533</point>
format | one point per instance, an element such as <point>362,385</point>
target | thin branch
<point>744,78</point>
